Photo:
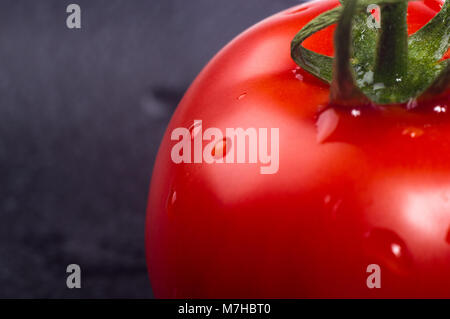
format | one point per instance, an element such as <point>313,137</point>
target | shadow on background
<point>82,113</point>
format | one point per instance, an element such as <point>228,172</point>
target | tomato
<point>354,187</point>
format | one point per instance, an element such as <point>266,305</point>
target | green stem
<point>343,87</point>
<point>392,50</point>
<point>383,65</point>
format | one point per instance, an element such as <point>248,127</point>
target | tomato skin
<point>376,192</point>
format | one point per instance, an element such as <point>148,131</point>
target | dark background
<point>82,113</point>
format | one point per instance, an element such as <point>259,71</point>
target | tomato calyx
<point>379,64</point>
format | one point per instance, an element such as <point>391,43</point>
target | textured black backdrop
<point>81,117</point>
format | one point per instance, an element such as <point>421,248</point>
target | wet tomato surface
<point>354,187</point>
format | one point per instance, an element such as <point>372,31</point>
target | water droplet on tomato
<point>221,148</point>
<point>171,199</point>
<point>413,132</point>
<point>355,113</point>
<point>396,249</point>
<point>297,74</point>
<point>326,124</point>
<point>386,248</point>
<point>195,129</point>
<point>242,96</point>
<point>440,109</point>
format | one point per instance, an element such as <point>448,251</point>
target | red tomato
<point>353,188</point>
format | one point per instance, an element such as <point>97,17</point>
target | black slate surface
<point>82,113</point>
